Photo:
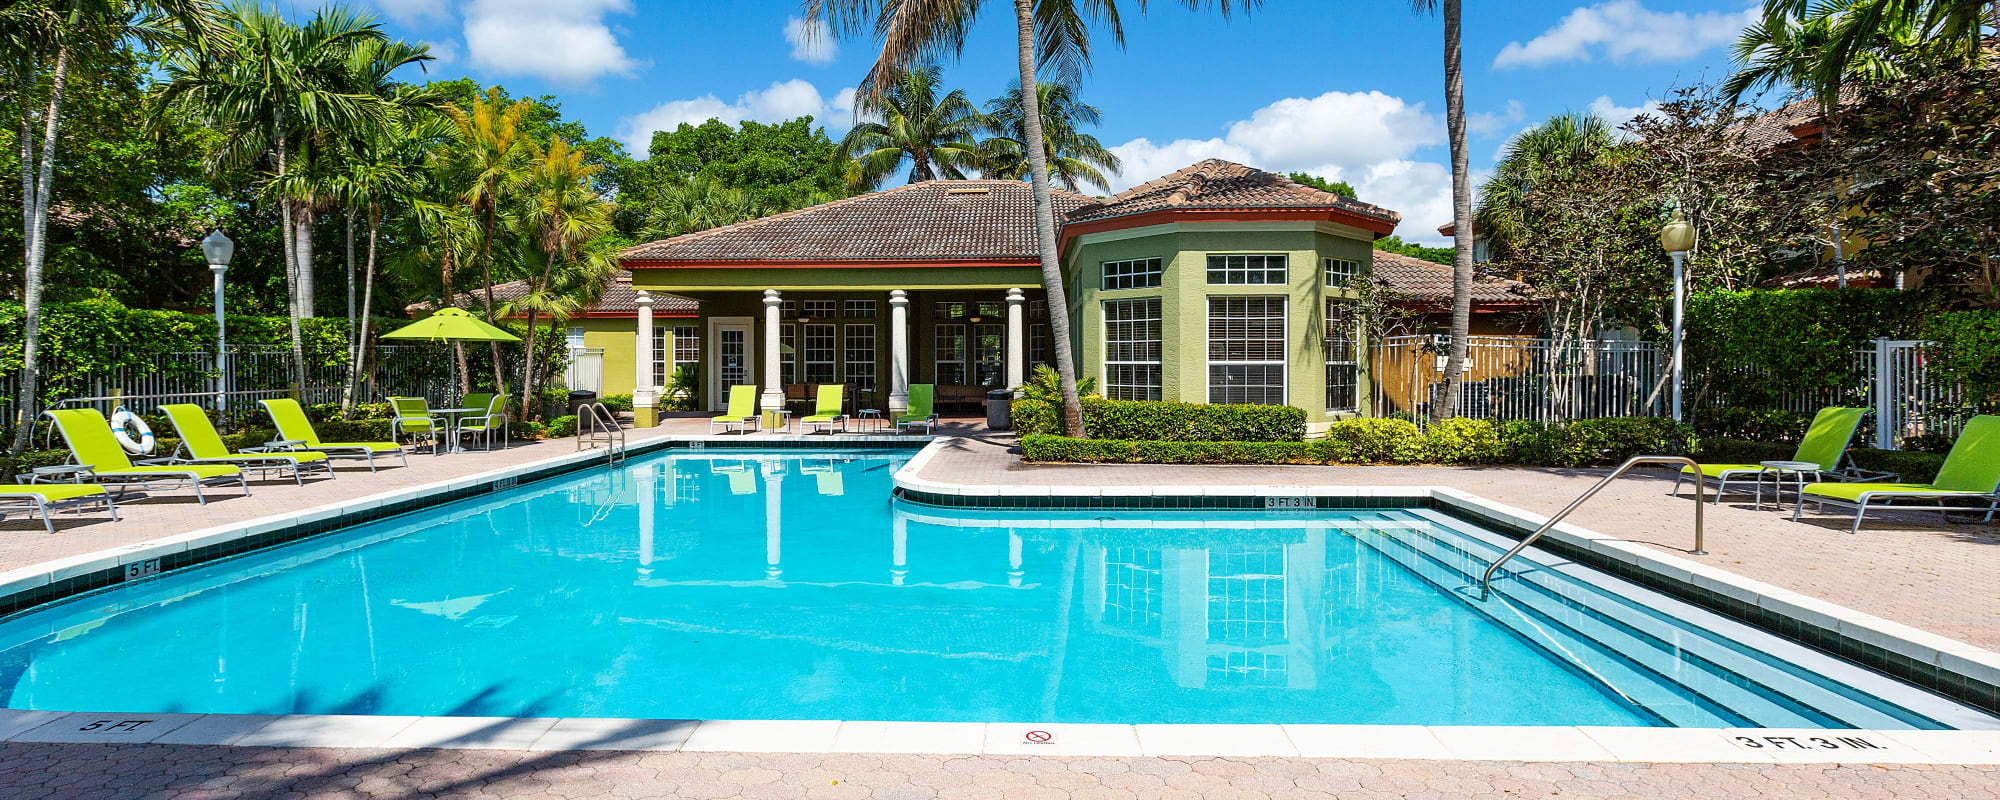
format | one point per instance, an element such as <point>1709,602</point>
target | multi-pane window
<point>860,308</point>
<point>820,309</point>
<point>687,349</point>
<point>820,353</point>
<point>1246,270</point>
<point>951,309</point>
<point>950,355</point>
<point>1138,273</point>
<point>987,310</point>
<point>1246,349</point>
<point>788,353</point>
<point>1341,271</point>
<point>1343,329</point>
<point>1038,333</point>
<point>860,348</point>
<point>1132,349</point>
<point>990,351</point>
<point>788,308</point>
<point>663,365</point>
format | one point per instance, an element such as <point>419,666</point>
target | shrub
<point>1463,441</point>
<point>1040,447</point>
<point>1150,420</point>
<point>616,403</point>
<point>530,429</point>
<point>1036,417</point>
<point>1045,384</point>
<point>562,427</point>
<point>1376,441</point>
<point>1967,353</point>
<point>1776,342</point>
<point>1758,425</point>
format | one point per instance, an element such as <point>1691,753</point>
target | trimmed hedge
<point>1144,420</point>
<point>1393,441</point>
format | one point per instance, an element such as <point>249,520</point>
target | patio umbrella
<point>453,325</point>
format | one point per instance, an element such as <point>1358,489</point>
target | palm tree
<point>1781,51</point>
<point>1840,40</point>
<point>1054,34</point>
<point>1564,145</point>
<point>263,84</point>
<point>382,167</point>
<point>488,139</point>
<point>1075,158</point>
<point>71,28</point>
<point>563,216</point>
<point>934,133</point>
<point>1461,203</point>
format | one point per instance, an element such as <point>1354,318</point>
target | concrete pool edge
<point>1954,669</point>
<point>1419,742</point>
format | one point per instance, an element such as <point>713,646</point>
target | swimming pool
<point>727,584</point>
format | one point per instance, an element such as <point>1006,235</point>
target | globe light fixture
<point>1677,238</point>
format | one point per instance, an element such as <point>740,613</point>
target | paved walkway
<point>118,772</point>
<point>1909,567</point>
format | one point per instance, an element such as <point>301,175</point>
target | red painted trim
<point>900,263</point>
<point>657,314</point>
<point>1375,225</point>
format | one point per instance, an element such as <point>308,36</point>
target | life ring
<point>131,432</point>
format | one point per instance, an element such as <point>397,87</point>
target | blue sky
<point>1347,89</point>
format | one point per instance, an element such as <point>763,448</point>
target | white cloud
<point>563,42</point>
<point>1362,138</point>
<point>443,51</point>
<point>1618,115</point>
<point>415,12</point>
<point>812,42</point>
<point>1487,123</point>
<point>1625,30</point>
<point>776,103</point>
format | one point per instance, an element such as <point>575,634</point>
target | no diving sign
<point>1038,737</point>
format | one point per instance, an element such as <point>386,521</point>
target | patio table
<point>1796,469</point>
<point>451,424</point>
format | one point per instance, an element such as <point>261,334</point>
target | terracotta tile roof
<point>618,299</point>
<point>1217,184</point>
<point>1775,129</point>
<point>943,219</point>
<point>1417,280</point>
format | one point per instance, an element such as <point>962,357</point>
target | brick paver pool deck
<point>1905,567</point>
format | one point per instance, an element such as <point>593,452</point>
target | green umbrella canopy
<point>451,324</point>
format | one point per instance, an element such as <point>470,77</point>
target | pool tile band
<point>1548,744</point>
<point>28,587</point>
<point>1960,671</point>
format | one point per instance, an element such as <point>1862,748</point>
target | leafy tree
<point>1052,34</point>
<point>563,216</point>
<point>1342,188</point>
<point>920,123</point>
<point>1395,244</point>
<point>485,140</point>
<point>1075,158</point>
<point>718,171</point>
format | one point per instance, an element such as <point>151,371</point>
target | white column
<point>1017,343</point>
<point>774,520</point>
<point>774,387</point>
<point>899,353</point>
<point>643,379</point>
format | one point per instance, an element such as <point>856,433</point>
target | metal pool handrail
<point>1486,579</point>
<point>596,423</point>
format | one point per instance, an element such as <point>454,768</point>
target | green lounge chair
<point>1971,472</point>
<point>742,411</point>
<point>293,426</point>
<point>1825,444</point>
<point>90,443</point>
<point>201,444</point>
<point>831,398</point>
<point>487,424</point>
<point>922,411</point>
<point>42,498</point>
<point>414,417</point>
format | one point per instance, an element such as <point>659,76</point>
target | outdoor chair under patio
<point>1825,444</point>
<point>202,444</point>
<point>922,412</point>
<point>91,444</point>
<point>485,425</point>
<point>43,499</point>
<point>414,417</point>
<point>1970,474</point>
<point>293,426</point>
<point>742,412</point>
<point>829,414</point>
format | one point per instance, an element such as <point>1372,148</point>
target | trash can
<point>580,398</point>
<point>1000,409</point>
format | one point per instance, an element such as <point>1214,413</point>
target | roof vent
<point>968,190</point>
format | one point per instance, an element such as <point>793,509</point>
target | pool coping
<point>1486,743</point>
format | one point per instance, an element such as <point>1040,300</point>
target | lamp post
<point>218,249</point>
<point>1677,238</point>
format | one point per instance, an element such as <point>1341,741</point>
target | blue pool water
<point>730,585</point>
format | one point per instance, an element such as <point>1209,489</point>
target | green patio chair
<point>44,498</point>
<point>202,444</point>
<point>89,438</point>
<point>921,410</point>
<point>478,400</point>
<point>1971,472</point>
<point>413,416</point>
<point>293,426</point>
<point>487,424</point>
<point>829,414</point>
<point>742,411</point>
<point>1825,444</point>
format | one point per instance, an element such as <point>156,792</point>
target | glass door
<point>734,364</point>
